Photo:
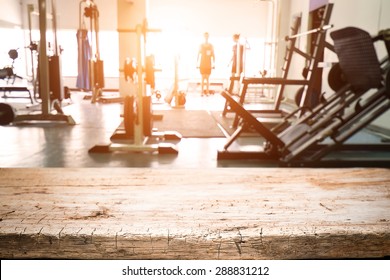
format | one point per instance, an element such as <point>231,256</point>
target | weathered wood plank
<point>194,213</point>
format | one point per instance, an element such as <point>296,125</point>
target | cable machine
<point>96,66</point>
<point>49,74</point>
<point>138,113</point>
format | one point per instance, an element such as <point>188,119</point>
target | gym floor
<point>62,145</point>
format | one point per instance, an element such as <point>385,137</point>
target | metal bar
<point>95,17</point>
<point>320,45</point>
<point>315,30</point>
<point>30,9</point>
<point>44,86</point>
<point>233,137</point>
<point>252,121</point>
<point>305,55</point>
<point>273,81</point>
<point>54,20</point>
<point>241,101</point>
<point>362,161</point>
<point>358,126</point>
<point>138,125</point>
<point>286,66</point>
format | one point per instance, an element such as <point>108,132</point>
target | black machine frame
<point>313,137</point>
<point>310,72</point>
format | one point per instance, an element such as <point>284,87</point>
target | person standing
<point>237,56</point>
<point>206,61</point>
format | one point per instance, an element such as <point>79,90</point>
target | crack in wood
<point>219,249</point>
<point>238,243</point>
<point>327,208</point>
<point>41,219</point>
<point>92,234</point>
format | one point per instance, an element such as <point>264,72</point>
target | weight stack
<point>56,92</point>
<point>98,71</point>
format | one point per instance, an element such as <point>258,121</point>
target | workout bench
<point>6,89</point>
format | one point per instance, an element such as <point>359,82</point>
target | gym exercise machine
<point>309,73</point>
<point>130,70</point>
<point>95,67</point>
<point>319,137</point>
<point>137,132</point>
<point>8,71</point>
<point>177,96</point>
<point>83,51</point>
<point>8,74</point>
<point>49,76</point>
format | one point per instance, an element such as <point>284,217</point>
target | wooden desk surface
<point>233,213</point>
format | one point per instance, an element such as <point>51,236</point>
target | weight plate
<point>7,114</point>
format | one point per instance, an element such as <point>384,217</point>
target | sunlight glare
<point>173,42</point>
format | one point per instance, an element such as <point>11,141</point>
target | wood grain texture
<point>194,213</point>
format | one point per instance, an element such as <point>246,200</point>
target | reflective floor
<point>62,145</point>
